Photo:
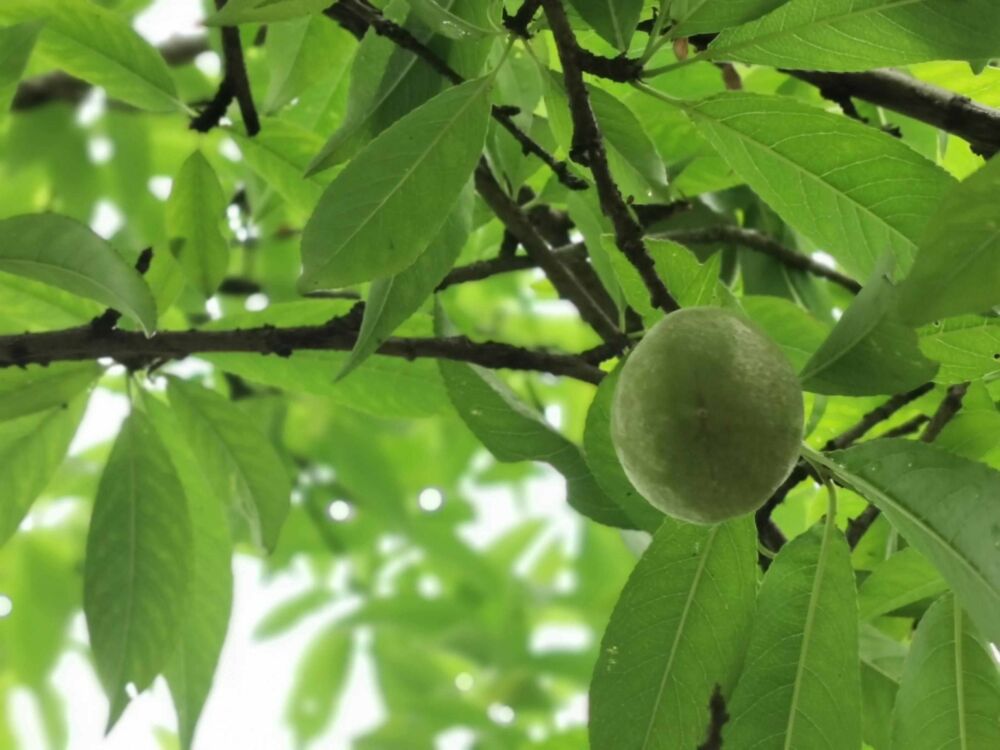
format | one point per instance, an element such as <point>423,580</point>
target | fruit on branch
<point>707,416</point>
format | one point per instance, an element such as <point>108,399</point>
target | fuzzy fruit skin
<point>707,417</point>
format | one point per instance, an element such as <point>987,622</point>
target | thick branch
<point>588,149</point>
<point>892,89</point>
<point>133,349</point>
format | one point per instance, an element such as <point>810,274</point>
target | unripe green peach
<point>707,416</point>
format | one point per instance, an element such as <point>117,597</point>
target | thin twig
<point>565,282</point>
<point>236,75</point>
<point>754,240</point>
<point>767,531</point>
<point>588,149</point>
<point>949,407</point>
<point>519,22</point>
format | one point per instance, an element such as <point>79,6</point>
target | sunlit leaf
<point>32,447</point>
<point>99,46</point>
<point>852,35</point>
<point>803,650</point>
<point>16,44</point>
<point>513,432</point>
<point>957,269</point>
<point>858,193</point>
<point>950,691</point>
<point>195,214</point>
<point>191,670</point>
<point>944,506</point>
<point>239,462</point>
<point>677,634</point>
<point>138,563</point>
<point>62,252</point>
<point>380,213</point>
<point>32,389</point>
<point>870,351</point>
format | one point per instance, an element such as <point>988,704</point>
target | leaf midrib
<point>678,634</point>
<point>372,213</point>
<point>807,632</point>
<point>867,489</point>
<point>784,31</point>
<point>798,167</point>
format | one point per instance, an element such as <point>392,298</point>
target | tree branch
<point>754,240</point>
<point>947,410</point>
<point>519,22</point>
<point>133,349</point>
<point>748,238</point>
<point>588,149</point>
<point>769,534</point>
<point>893,89</point>
<point>565,282</point>
<point>236,75</point>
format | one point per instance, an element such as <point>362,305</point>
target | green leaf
<point>138,563</point>
<point>797,332</point>
<point>36,388</point>
<point>942,504</point>
<point>863,34</point>
<point>195,213</point>
<point>692,283</point>
<point>801,684</point>
<point>100,47</point>
<point>392,300</point>
<point>678,632</point>
<point>903,579</point>
<point>968,348</point>
<point>975,431</point>
<point>16,44</point>
<point>320,678</point>
<point>279,154</point>
<point>950,692</point>
<point>513,432</point>
<point>858,193</point>
<point>63,252</point>
<point>446,23</point>
<point>381,212</point>
<point>235,12</point>
<point>634,160</point>
<point>191,670</point>
<point>300,54</point>
<point>239,461</point>
<point>603,461</point>
<point>614,20</point>
<point>702,16</point>
<point>957,269</point>
<point>869,352</point>
<point>32,447</point>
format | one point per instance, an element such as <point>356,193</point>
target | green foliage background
<point>313,429</point>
